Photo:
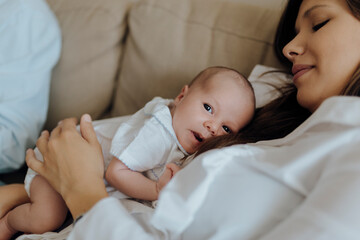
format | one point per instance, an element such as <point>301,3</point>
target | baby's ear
<point>182,94</point>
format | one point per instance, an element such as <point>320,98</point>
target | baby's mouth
<point>198,137</point>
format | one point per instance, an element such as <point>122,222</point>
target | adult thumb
<point>87,129</point>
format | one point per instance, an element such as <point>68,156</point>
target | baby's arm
<point>131,183</point>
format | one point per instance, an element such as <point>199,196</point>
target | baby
<point>150,147</point>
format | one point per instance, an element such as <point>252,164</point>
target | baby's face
<point>220,107</point>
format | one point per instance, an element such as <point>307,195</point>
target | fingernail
<point>43,132</point>
<point>59,122</point>
<point>86,118</point>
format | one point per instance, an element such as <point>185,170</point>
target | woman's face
<point>325,52</point>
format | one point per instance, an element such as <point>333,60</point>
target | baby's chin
<point>190,149</point>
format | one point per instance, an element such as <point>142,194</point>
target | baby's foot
<point>6,232</point>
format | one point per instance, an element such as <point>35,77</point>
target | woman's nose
<point>293,49</point>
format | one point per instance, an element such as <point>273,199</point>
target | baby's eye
<point>226,129</point>
<point>207,108</point>
<point>320,25</point>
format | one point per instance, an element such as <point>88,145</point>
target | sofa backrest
<point>170,41</point>
<point>119,54</point>
<point>84,79</point>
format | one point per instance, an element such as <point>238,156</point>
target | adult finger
<point>42,142</point>
<point>56,131</point>
<point>33,162</point>
<point>63,125</point>
<point>87,129</point>
<point>68,123</point>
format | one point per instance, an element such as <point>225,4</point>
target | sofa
<point>119,54</point>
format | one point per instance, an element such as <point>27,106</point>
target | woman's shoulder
<point>27,19</point>
<point>31,26</point>
<point>23,8</point>
<point>334,114</point>
<point>338,110</point>
<point>343,110</point>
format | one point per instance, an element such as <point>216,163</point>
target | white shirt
<point>30,43</point>
<point>147,141</point>
<point>303,186</point>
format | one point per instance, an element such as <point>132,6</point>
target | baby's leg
<point>6,232</point>
<point>45,212</point>
<point>12,195</point>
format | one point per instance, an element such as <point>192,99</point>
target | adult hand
<point>73,163</point>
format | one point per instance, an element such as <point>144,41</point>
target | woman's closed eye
<point>320,25</point>
<point>208,108</point>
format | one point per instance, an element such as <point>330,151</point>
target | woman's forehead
<point>308,7</point>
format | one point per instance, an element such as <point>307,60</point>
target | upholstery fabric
<point>84,79</point>
<point>170,41</point>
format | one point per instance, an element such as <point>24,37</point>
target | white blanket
<point>129,205</point>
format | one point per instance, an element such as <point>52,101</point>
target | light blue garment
<point>30,43</point>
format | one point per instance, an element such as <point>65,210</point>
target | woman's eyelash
<point>320,25</point>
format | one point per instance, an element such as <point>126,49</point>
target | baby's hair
<point>211,71</point>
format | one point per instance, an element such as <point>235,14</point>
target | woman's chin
<point>306,102</point>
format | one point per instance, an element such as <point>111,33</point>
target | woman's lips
<point>299,70</point>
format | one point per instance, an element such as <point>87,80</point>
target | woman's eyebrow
<point>308,12</point>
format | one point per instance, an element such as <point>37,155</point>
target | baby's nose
<point>212,127</point>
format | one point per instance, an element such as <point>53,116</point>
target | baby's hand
<point>170,170</point>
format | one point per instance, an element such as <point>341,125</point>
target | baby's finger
<point>167,174</point>
<point>173,167</point>
<point>33,162</point>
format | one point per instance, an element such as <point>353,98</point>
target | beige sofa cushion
<point>84,79</point>
<point>170,41</point>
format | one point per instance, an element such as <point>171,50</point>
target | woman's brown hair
<point>353,87</point>
<point>282,115</point>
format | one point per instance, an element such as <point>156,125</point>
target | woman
<point>302,186</point>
